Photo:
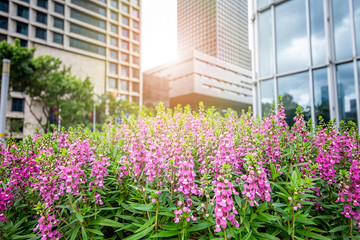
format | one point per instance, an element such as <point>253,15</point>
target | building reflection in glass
<point>346,92</point>
<point>267,95</point>
<point>321,94</point>
<point>294,90</point>
<point>291,38</point>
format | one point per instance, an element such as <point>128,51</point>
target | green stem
<point>183,232</point>
<point>293,224</point>
<point>156,216</point>
<point>225,238</point>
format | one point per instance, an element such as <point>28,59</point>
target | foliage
<point>185,175</point>
<point>109,108</point>
<point>48,85</point>
<point>56,86</point>
<point>21,66</point>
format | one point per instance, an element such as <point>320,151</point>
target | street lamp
<point>4,95</point>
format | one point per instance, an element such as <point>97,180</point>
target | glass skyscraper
<point>308,51</point>
<point>218,28</point>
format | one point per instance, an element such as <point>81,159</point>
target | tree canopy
<point>46,81</point>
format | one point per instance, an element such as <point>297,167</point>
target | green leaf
<point>83,233</point>
<point>339,228</point>
<point>246,225</point>
<point>166,234</point>
<point>200,226</point>
<point>140,234</point>
<point>79,217</point>
<point>95,231</point>
<point>16,237</point>
<point>247,236</point>
<point>106,222</point>
<point>311,235</point>
<point>75,232</point>
<point>305,220</point>
<point>146,224</point>
<point>171,226</point>
<point>168,214</point>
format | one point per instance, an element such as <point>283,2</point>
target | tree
<point>113,109</point>
<point>56,86</point>
<point>21,67</point>
<point>49,85</point>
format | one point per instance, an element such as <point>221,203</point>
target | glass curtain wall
<point>311,62</point>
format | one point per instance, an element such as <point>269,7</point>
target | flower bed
<point>184,175</point>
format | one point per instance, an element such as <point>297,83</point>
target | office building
<point>199,77</point>
<point>218,28</point>
<point>308,51</point>
<point>97,38</point>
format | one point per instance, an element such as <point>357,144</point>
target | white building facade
<point>99,39</point>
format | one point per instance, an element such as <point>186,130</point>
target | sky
<point>159,32</point>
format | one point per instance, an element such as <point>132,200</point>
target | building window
<point>87,18</point>
<point>342,29</point>
<point>135,13</point>
<point>113,68</point>
<point>290,34</point>
<point>3,22</point>
<point>113,42</point>
<point>136,60</point>
<point>90,6</point>
<point>22,28</point>
<point>114,16</point>
<point>266,62</point>
<point>42,3</point>
<point>125,8</point>
<point>59,8</point>
<point>267,95</point>
<point>295,90</point>
<point>125,33</point>
<point>23,43</point>
<point>135,87</point>
<point>113,54</point>
<point>135,2</point>
<point>87,46</point>
<point>87,32</point>
<point>346,92</point>
<point>17,105</point>
<point>317,26</point>
<point>125,71</point>
<point>113,83</point>
<point>58,38</point>
<point>135,99</point>
<point>124,45</point>
<point>135,73</point>
<point>356,7</point>
<point>40,33</point>
<point>136,36</point>
<point>23,11</point>
<point>16,125</point>
<point>114,28</point>
<point>136,24</point>
<point>136,49</point>
<point>27,1</point>
<point>124,57</point>
<point>4,5</point>
<point>58,23</point>
<point>41,17</point>
<point>124,85</point>
<point>114,3</point>
<point>321,95</point>
<point>125,20</point>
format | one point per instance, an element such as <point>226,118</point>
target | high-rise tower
<point>218,28</point>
